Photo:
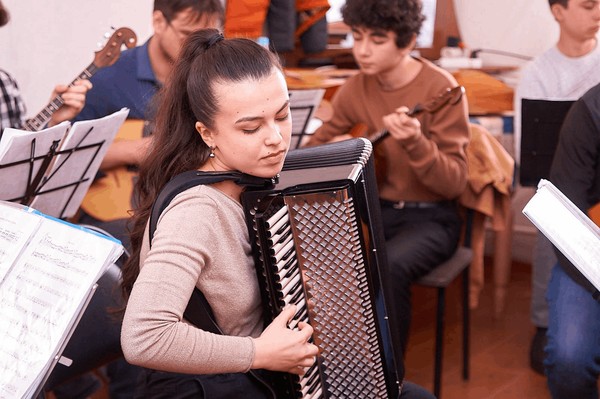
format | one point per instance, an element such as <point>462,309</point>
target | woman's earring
<point>212,152</point>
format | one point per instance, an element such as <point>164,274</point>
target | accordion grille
<point>327,237</point>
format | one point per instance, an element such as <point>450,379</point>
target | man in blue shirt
<point>132,82</point>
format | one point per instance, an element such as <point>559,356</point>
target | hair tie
<point>214,39</point>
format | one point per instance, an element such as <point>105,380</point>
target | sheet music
<point>16,228</point>
<point>43,295</point>
<point>69,168</point>
<point>568,228</point>
<point>303,104</point>
<point>15,145</point>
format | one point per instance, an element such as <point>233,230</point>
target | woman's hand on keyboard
<point>281,349</point>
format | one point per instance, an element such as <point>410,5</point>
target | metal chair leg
<point>439,343</point>
<point>466,324</point>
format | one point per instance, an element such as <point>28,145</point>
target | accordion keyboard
<point>312,256</point>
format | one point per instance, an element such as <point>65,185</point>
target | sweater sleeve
<point>342,120</point>
<point>154,334</point>
<point>438,156</point>
<point>573,170</point>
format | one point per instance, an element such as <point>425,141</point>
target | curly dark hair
<point>4,15</point>
<point>563,3</point>
<point>403,17</point>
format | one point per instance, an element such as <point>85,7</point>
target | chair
<point>440,278</point>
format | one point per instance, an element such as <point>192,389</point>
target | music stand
<point>541,121</point>
<point>59,358</point>
<point>303,104</point>
<point>51,173</point>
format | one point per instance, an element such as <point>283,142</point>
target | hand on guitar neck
<point>68,100</point>
<point>73,100</point>
<point>447,97</point>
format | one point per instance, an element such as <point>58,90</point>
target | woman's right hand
<point>281,349</point>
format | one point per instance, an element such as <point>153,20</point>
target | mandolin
<point>107,56</point>
<point>449,96</point>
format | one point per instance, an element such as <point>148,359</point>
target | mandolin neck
<point>377,137</point>
<point>41,119</point>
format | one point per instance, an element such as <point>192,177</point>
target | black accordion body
<point>317,244</point>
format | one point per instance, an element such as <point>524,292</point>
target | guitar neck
<point>41,119</point>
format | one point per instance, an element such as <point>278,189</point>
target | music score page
<point>568,228</point>
<point>49,271</point>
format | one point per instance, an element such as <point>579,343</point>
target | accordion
<point>317,245</point>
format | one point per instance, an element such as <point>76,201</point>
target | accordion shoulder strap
<point>198,311</point>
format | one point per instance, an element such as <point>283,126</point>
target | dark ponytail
<point>188,97</point>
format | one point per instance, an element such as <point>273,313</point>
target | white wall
<point>519,26</point>
<point>52,41</point>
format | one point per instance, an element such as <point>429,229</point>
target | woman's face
<point>253,126</point>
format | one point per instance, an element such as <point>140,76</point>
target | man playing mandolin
<point>423,156</point>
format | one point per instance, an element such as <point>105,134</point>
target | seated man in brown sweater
<point>423,158</point>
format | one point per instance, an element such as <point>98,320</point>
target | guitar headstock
<point>449,96</point>
<point>111,51</point>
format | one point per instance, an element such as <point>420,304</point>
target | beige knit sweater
<point>201,240</point>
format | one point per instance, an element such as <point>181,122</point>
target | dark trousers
<point>162,385</point>
<point>417,240</point>
<point>154,384</point>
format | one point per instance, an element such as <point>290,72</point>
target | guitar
<point>108,55</point>
<point>109,197</point>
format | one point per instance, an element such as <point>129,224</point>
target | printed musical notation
<point>48,269</point>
